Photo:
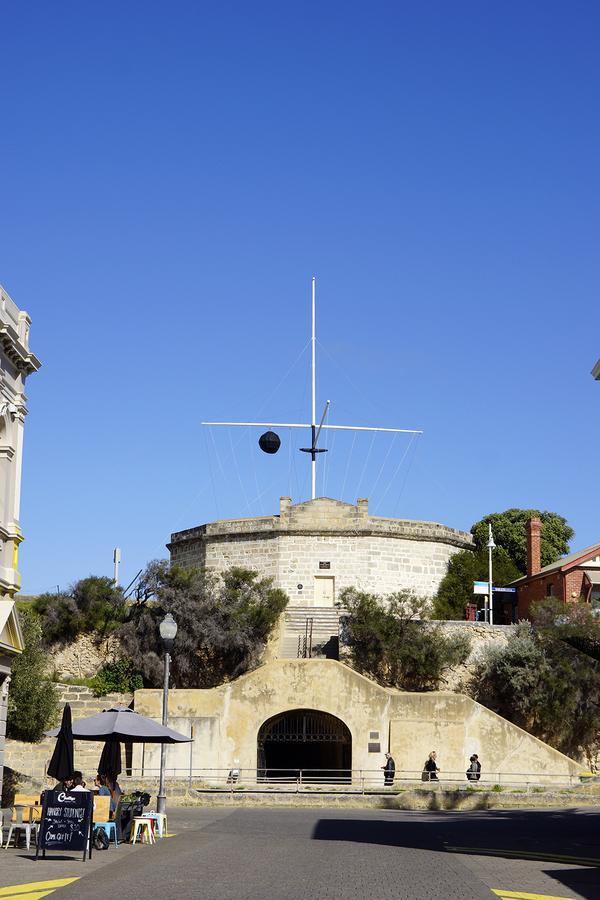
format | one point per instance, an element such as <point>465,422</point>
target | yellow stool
<point>161,822</point>
<point>142,827</point>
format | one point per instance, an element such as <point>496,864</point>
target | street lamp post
<point>491,546</point>
<point>168,631</point>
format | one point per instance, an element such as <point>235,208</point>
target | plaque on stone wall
<point>374,748</point>
<point>373,735</point>
<point>324,565</point>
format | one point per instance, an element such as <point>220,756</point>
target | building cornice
<point>269,528</point>
<point>15,350</point>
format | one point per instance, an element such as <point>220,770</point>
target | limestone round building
<point>313,550</point>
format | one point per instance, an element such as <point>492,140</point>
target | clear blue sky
<point>172,174</point>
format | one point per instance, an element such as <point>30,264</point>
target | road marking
<point>525,854</point>
<point>519,895</point>
<point>33,889</point>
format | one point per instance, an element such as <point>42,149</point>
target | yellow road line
<point>519,895</point>
<point>525,854</point>
<point>36,895</point>
<point>34,888</point>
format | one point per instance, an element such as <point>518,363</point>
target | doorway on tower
<point>324,593</point>
<point>306,743</point>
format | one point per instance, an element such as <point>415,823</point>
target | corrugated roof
<point>593,575</point>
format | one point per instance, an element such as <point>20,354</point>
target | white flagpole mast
<point>315,431</point>
<point>313,420</point>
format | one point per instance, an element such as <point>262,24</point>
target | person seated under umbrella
<point>109,769</point>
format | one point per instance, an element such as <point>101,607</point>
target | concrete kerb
<point>418,799</point>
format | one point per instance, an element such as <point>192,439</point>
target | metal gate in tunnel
<point>304,740</point>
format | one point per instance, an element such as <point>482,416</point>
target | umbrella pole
<point>161,800</point>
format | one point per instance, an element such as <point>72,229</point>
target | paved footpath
<point>288,854</point>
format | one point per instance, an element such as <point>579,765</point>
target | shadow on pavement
<point>585,882</point>
<point>566,836</point>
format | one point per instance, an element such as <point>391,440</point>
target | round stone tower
<point>315,549</point>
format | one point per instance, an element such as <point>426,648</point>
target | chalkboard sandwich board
<point>66,822</point>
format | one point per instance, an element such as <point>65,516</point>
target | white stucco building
<point>16,363</point>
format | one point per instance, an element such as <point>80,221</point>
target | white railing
<point>351,780</point>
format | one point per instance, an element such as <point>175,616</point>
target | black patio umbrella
<point>123,724</point>
<point>110,761</point>
<point>61,765</point>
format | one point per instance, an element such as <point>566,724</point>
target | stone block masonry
<point>30,760</point>
<point>313,550</point>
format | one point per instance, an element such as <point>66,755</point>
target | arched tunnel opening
<point>314,743</point>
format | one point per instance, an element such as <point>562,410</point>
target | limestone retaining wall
<point>225,722</point>
<point>84,657</point>
<point>31,760</point>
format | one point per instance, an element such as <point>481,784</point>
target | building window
<point>550,590</point>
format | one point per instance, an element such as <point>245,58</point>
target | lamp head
<point>168,631</point>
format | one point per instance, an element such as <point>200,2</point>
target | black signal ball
<point>269,442</point>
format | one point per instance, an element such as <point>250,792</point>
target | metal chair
<point>19,825</point>
<point>5,820</point>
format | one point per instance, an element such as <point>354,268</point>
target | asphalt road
<point>253,854</point>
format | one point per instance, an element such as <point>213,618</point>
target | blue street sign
<point>506,590</point>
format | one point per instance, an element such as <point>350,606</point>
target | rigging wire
<point>385,459</point>
<point>237,470</point>
<point>348,466</point>
<point>211,475</point>
<point>252,455</point>
<point>408,468</point>
<point>397,469</point>
<point>360,480</point>
<point>326,465</point>
<point>281,380</point>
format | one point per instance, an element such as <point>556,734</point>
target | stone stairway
<point>325,626</point>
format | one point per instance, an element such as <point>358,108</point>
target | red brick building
<point>574,576</point>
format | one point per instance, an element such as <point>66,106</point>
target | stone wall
<point>326,538</point>
<point>83,657</point>
<point>225,722</point>
<point>29,761</point>
<point>483,637</point>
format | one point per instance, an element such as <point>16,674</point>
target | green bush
<point>32,697</point>
<point>224,622</point>
<point>92,605</point>
<point>389,643</point>
<point>119,677</point>
<point>545,686</point>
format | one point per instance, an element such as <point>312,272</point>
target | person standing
<point>389,769</point>
<point>430,769</point>
<point>474,770</point>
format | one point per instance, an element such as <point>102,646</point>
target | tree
<point>510,533</point>
<point>509,558</point>
<point>465,567</point>
<point>546,687</point>
<point>32,697</point>
<point>389,643</point>
<point>92,605</point>
<point>224,622</point>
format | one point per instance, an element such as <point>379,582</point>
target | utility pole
<point>491,546</point>
<point>117,560</point>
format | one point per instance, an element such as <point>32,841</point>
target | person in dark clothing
<point>430,769</point>
<point>389,769</point>
<point>474,770</point>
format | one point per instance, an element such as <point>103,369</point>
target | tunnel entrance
<point>315,742</point>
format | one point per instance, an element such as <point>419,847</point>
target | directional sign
<point>506,590</point>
